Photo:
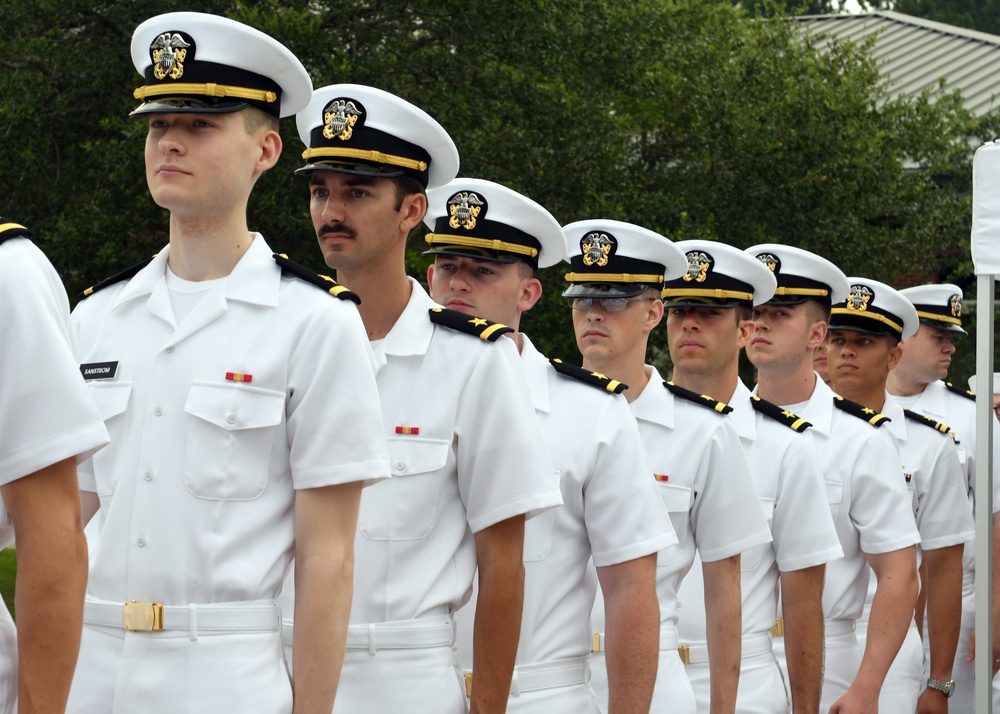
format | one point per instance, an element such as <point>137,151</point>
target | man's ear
<point>531,291</point>
<point>817,335</point>
<point>412,211</point>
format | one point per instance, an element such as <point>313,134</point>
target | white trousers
<point>121,672</point>
<point>577,699</point>
<point>761,688</point>
<point>904,680</point>
<point>8,663</point>
<point>672,692</point>
<point>963,672</point>
<point>842,662</point>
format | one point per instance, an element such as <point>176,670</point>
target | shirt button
<point>158,411</point>
<point>400,465</point>
<point>148,475</point>
<point>231,418</point>
<point>170,349</point>
<point>140,541</point>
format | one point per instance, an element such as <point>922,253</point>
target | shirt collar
<point>536,370</point>
<point>743,416</point>
<point>655,403</point>
<point>411,335</point>
<point>897,423</point>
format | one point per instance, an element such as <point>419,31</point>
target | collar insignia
<point>771,261</point>
<point>955,303</point>
<point>598,247</point>
<point>168,52</point>
<point>339,118</point>
<point>699,266</point>
<point>464,208</point>
<point>859,298</point>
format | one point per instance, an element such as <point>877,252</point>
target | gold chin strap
<point>705,293</point>
<point>926,315</point>
<point>489,244</point>
<point>870,315</point>
<point>331,152</point>
<point>612,278</point>
<point>205,90</point>
<point>812,292</point>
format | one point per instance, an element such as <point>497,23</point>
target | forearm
<point>324,584</point>
<point>891,613</point>
<point>802,612</point>
<point>724,623</point>
<point>51,583</point>
<point>944,607</point>
<point>632,617</point>
<point>497,627</point>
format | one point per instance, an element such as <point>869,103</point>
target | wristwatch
<point>946,688</point>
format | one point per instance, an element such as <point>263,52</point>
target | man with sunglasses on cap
<point>618,270</point>
<point>241,404</point>
<point>917,383</point>
<point>469,461</point>
<point>50,423</point>
<point>708,323</point>
<point>861,467</point>
<point>611,513</point>
<point>862,349</point>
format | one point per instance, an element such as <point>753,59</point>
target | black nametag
<point>99,370</point>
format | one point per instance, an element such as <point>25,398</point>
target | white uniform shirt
<point>934,480</point>
<point>785,470</point>
<point>46,413</point>
<point>868,499</point>
<point>478,458</point>
<point>704,482</point>
<point>198,485</point>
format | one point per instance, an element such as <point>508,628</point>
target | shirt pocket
<point>230,433</point>
<point>678,501</point>
<point>750,559</point>
<point>538,533</point>
<point>406,506</point>
<point>112,400</point>
<point>834,496</point>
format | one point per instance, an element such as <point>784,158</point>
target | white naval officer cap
<point>617,259</point>
<point>479,219</point>
<point>938,305</point>
<point>354,129</point>
<point>996,383</point>
<point>720,275</point>
<point>801,275</point>
<point>199,63</point>
<point>874,308</point>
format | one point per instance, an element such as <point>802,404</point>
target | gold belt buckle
<point>779,628</point>
<point>143,616</point>
<point>685,654</point>
<point>595,647</point>
<point>468,685</point>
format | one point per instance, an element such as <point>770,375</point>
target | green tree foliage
<point>692,118</point>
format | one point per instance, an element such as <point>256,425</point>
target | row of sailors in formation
<point>781,518</point>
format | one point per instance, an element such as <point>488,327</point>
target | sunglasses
<point>609,304</point>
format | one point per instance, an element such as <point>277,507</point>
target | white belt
<point>203,618</point>
<point>399,635</point>
<point>544,675</point>
<point>835,628</point>
<point>750,646</point>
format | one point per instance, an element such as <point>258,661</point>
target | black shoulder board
<point>323,282</point>
<point>126,274</point>
<point>478,326</point>
<point>861,412</point>
<point>702,399</point>
<point>769,409</point>
<point>594,379</point>
<point>927,421</point>
<point>960,392</point>
<point>12,230</point>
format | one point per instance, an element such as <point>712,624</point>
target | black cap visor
<point>187,105</point>
<point>605,290</point>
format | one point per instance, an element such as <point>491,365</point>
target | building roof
<point>916,54</point>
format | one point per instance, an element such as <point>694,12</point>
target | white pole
<point>984,494</point>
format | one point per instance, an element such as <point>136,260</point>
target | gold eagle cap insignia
<point>597,248</point>
<point>168,51</point>
<point>955,303</point>
<point>859,298</point>
<point>463,210</point>
<point>339,118</point>
<point>699,264</point>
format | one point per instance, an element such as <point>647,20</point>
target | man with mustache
<point>617,273</point>
<point>469,461</point>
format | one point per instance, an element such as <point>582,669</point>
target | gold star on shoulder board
<point>598,375</point>
<point>477,321</point>
<point>786,413</point>
<point>868,410</point>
